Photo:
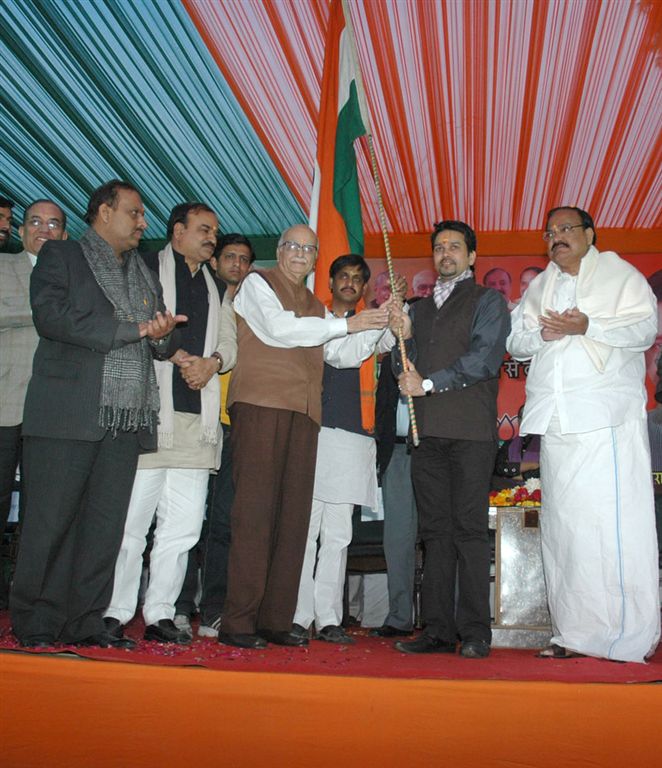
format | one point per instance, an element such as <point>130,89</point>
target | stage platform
<point>279,708</point>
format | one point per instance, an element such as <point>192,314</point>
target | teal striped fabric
<point>97,89</point>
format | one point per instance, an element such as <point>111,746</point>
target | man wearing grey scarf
<point>456,340</point>
<point>91,408</point>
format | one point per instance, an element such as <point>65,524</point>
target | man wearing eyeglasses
<point>43,220</point>
<point>585,323</point>
<point>274,402</point>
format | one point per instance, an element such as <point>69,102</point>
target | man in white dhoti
<point>345,472</point>
<point>585,323</point>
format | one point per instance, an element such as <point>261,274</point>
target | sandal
<point>558,652</point>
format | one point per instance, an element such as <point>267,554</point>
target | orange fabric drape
<point>487,111</point>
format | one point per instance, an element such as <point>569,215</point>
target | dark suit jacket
<point>77,327</point>
<point>386,403</point>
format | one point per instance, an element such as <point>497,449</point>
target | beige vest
<point>274,377</point>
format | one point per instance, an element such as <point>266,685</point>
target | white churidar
<point>344,475</point>
<point>177,497</point>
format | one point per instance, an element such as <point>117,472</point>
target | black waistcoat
<point>442,336</point>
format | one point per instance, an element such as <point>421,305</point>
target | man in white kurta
<point>345,472</point>
<point>585,323</point>
<point>171,484</point>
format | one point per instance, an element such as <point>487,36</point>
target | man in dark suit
<point>458,342</point>
<point>91,408</point>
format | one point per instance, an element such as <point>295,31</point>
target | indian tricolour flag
<point>335,207</point>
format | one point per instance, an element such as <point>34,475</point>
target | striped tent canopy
<point>491,111</point>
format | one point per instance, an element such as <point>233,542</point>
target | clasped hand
<point>195,370</point>
<point>557,325</point>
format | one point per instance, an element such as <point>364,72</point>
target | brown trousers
<point>273,467</point>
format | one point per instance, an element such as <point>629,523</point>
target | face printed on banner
<point>381,289</point>
<point>500,280</point>
<point>423,283</point>
<point>528,274</point>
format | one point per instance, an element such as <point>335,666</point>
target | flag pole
<point>380,205</point>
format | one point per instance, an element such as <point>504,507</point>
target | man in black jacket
<point>459,336</point>
<point>91,408</point>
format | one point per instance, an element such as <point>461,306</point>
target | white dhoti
<point>345,475</point>
<point>599,542</point>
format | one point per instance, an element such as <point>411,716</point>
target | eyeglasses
<point>35,222</point>
<point>291,247</point>
<point>549,234</point>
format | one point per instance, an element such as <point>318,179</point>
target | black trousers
<point>77,496</point>
<point>214,545</point>
<point>452,484</point>
<point>10,454</point>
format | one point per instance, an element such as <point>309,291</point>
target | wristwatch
<point>217,355</point>
<point>428,386</point>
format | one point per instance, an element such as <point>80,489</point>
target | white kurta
<point>598,528</point>
<point>346,468</point>
<point>257,303</point>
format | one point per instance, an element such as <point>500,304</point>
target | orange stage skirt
<point>69,713</point>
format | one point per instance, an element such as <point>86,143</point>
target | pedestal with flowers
<point>521,618</point>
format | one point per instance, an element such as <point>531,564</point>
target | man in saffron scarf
<point>345,473</point>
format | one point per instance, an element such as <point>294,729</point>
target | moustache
<point>558,243</point>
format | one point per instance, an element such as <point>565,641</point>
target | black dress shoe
<point>426,644</point>
<point>113,626</point>
<point>334,634</point>
<point>388,631</point>
<point>475,649</point>
<point>300,631</point>
<point>242,641</point>
<point>106,640</point>
<point>37,641</point>
<point>282,637</point>
<point>165,631</point>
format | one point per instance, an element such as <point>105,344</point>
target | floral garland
<point>527,495</point>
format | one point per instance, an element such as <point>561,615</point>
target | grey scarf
<point>129,394</point>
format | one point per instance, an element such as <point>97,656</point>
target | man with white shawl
<point>585,323</point>
<point>172,483</point>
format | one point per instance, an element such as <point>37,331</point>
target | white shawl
<point>609,291</point>
<point>210,395</point>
